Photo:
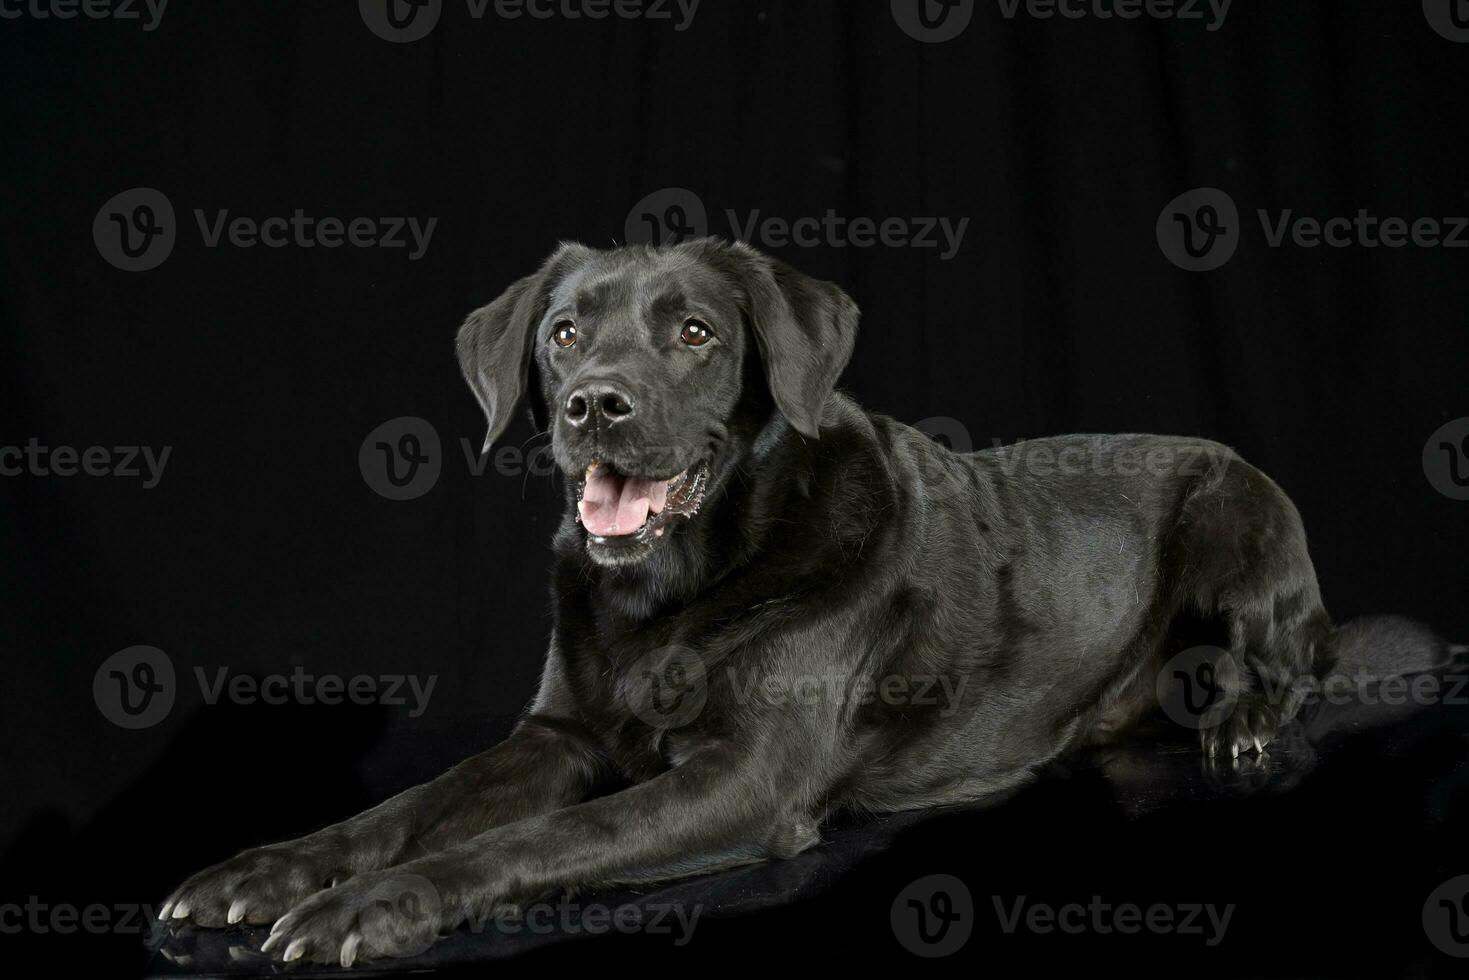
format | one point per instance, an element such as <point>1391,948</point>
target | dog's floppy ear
<point>495,342</point>
<point>805,329</point>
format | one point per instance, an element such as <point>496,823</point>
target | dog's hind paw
<point>1249,728</point>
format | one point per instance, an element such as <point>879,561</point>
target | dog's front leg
<point>541,766</point>
<point>721,806</point>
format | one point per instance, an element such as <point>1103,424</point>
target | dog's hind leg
<point>1238,550</point>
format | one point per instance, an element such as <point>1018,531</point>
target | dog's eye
<point>696,333</point>
<point>564,334</point>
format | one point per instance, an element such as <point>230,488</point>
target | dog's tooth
<point>236,912</point>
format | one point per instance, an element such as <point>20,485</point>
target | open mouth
<point>613,505</point>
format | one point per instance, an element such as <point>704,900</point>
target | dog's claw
<point>273,939</point>
<point>164,912</point>
<point>181,910</point>
<point>349,948</point>
<point>236,912</point>
<point>295,950</point>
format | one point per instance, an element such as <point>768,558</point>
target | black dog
<point>771,604</point>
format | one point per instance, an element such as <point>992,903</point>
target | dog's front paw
<point>257,886</point>
<point>1250,727</point>
<point>381,914</point>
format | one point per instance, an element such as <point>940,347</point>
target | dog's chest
<point>644,702</point>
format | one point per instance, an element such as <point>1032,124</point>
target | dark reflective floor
<point>1356,813</point>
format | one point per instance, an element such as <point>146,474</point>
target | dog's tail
<point>1375,647</point>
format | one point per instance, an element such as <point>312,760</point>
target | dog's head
<point>657,369</point>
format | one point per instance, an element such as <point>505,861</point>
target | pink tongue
<point>616,505</point>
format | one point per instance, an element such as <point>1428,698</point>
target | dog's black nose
<point>598,402</point>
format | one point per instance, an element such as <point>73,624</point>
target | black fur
<point>1026,591</point>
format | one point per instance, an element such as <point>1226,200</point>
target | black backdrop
<point>263,547</point>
